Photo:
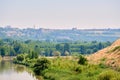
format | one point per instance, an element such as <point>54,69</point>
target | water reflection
<point>19,68</point>
<point>10,71</point>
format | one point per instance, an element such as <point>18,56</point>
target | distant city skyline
<point>60,14</point>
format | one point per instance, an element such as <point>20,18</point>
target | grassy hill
<point>109,55</point>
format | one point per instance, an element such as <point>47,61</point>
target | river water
<point>11,71</point>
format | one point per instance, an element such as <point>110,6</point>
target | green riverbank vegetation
<point>67,68</point>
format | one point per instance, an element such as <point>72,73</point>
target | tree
<point>12,52</point>
<point>41,65</point>
<point>36,55</point>
<point>47,52</point>
<point>37,49</point>
<point>100,45</point>
<point>3,51</point>
<point>16,47</point>
<point>33,55</point>
<point>82,49</point>
<point>67,47</point>
<point>1,42</point>
<point>58,47</point>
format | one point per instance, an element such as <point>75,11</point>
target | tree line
<point>10,47</point>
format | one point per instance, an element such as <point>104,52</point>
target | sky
<point>60,14</point>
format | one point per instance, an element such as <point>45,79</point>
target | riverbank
<point>68,69</point>
<point>7,58</point>
<point>0,58</point>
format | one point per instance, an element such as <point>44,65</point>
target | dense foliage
<point>41,65</point>
<point>9,47</point>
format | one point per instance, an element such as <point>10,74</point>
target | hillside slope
<point>109,55</point>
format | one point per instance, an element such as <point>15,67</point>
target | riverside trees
<point>14,47</point>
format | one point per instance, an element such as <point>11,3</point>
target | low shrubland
<point>65,68</point>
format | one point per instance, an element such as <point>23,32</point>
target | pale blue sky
<point>60,13</point>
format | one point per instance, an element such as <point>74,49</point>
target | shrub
<point>78,69</point>
<point>82,60</point>
<point>20,57</point>
<point>15,60</point>
<point>41,65</point>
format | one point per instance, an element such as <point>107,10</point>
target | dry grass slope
<point>109,55</point>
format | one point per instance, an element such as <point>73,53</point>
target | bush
<point>20,57</point>
<point>15,60</point>
<point>41,65</point>
<point>78,69</point>
<point>82,60</point>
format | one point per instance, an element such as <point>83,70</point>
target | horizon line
<point>73,28</point>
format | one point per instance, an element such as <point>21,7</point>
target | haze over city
<point>60,14</point>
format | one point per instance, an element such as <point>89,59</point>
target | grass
<point>109,75</point>
<point>64,69</point>
<point>117,48</point>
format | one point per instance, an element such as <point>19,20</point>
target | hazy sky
<point>60,13</point>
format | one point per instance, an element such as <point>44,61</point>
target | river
<point>11,71</point>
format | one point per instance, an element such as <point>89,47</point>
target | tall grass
<point>109,75</point>
<point>65,69</point>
